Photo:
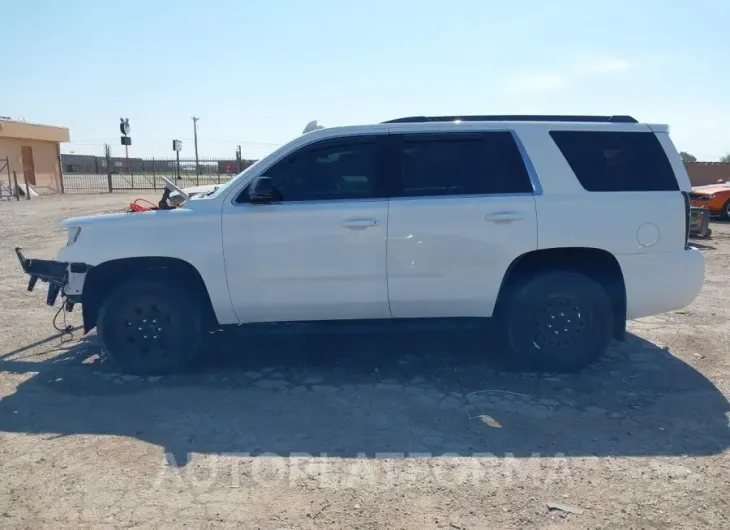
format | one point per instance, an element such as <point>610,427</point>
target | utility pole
<point>108,158</point>
<point>197,165</point>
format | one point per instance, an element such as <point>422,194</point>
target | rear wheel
<point>559,321</point>
<point>148,326</point>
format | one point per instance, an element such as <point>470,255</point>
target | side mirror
<point>261,190</point>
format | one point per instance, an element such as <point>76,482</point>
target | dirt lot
<point>359,428</point>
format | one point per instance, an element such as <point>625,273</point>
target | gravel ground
<point>358,427</point>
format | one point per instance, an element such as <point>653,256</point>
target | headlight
<point>73,234</point>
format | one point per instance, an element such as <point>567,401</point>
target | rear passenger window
<point>616,161</point>
<point>462,164</point>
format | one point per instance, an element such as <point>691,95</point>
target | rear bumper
<point>62,277</point>
<point>661,282</point>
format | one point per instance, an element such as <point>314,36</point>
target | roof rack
<point>517,117</point>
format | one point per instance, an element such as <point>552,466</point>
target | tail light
<point>687,210</point>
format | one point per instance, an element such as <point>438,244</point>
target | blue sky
<point>257,71</point>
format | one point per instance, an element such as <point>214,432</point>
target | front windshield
<point>245,175</point>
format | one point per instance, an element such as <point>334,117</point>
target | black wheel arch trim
<point>564,258</point>
<point>103,277</point>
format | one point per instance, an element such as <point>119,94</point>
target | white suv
<point>562,227</point>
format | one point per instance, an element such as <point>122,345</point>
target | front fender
<point>192,236</point>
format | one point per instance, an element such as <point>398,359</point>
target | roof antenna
<point>312,126</point>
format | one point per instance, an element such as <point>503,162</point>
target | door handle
<point>359,224</point>
<point>504,217</point>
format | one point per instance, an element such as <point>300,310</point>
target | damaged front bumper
<point>62,277</point>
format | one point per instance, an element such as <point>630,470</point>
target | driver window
<point>327,171</point>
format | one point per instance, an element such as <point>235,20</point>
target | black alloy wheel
<point>150,326</point>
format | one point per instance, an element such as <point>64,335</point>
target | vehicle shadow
<point>344,391</point>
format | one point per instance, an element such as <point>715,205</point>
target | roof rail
<point>517,117</point>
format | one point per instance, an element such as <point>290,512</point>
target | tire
<point>726,210</point>
<point>559,299</point>
<point>168,334</point>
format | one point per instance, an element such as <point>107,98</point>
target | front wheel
<point>559,321</point>
<point>726,210</point>
<point>150,326</point>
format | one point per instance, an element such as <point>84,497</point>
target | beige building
<point>33,150</point>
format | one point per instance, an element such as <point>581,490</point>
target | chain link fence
<point>107,174</point>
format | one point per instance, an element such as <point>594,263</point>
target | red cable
<point>139,208</point>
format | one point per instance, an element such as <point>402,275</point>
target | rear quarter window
<point>616,161</point>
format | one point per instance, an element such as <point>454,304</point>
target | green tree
<point>686,157</point>
<point>725,159</point>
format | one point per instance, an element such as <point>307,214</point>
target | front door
<point>465,211</point>
<point>319,251</point>
<point>28,165</point>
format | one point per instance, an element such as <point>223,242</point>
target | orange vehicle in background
<point>715,197</point>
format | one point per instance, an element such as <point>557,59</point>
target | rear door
<point>463,210</point>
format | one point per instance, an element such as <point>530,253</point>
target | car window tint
<point>616,161</point>
<point>331,172</point>
<point>462,164</point>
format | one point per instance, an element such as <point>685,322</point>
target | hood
<point>194,190</point>
<point>89,219</point>
<point>712,188</point>
<point>123,217</point>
